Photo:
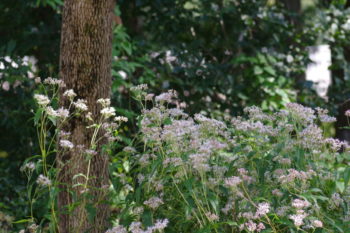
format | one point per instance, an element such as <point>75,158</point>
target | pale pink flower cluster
<point>256,113</point>
<point>66,144</point>
<point>301,113</point>
<point>175,161</point>
<point>117,229</point>
<point>335,144</point>
<point>233,182</point>
<point>263,209</point>
<point>298,219</point>
<point>129,149</point>
<point>294,174</point>
<point>166,97</point>
<point>324,117</point>
<point>159,226</point>
<point>252,226</point>
<point>347,113</point>
<point>251,126</point>
<point>153,202</point>
<point>199,161</point>
<point>212,216</point>
<point>300,204</point>
<point>336,201</point>
<point>317,223</point>
<point>277,192</point>
<point>311,137</point>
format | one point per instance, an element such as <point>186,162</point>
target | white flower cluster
<point>80,104</point>
<point>104,102</point>
<point>141,87</point>
<point>70,94</point>
<point>108,112</point>
<point>53,81</point>
<point>60,113</point>
<point>43,181</point>
<point>28,167</point>
<point>66,144</point>
<point>121,119</point>
<point>42,100</point>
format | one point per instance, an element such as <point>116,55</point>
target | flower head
<point>54,81</point>
<point>153,202</point>
<point>43,181</point>
<point>104,102</point>
<point>70,94</point>
<point>28,167</point>
<point>80,104</point>
<point>108,112</point>
<point>347,113</point>
<point>66,144</point>
<point>42,100</point>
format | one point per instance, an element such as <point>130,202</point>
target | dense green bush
<point>220,55</point>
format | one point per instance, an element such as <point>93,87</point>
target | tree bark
<point>85,67</point>
<point>294,7</point>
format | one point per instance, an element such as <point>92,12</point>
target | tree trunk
<point>342,121</point>
<point>293,7</point>
<point>85,67</point>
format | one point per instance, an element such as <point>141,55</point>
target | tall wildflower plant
<point>260,173</point>
<point>42,170</point>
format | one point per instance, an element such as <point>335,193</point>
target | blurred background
<point>219,55</point>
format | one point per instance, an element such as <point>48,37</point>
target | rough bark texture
<point>85,66</point>
<point>342,121</point>
<point>294,7</point>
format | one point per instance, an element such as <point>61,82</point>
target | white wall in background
<point>318,71</point>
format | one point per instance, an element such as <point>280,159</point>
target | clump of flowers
<point>264,172</point>
<point>43,170</point>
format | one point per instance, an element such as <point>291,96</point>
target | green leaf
<point>270,70</point>
<point>147,218</point>
<point>91,209</point>
<point>37,115</point>
<point>340,186</point>
<point>23,221</point>
<point>346,176</point>
<point>258,70</point>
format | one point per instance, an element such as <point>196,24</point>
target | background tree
<point>85,66</point>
